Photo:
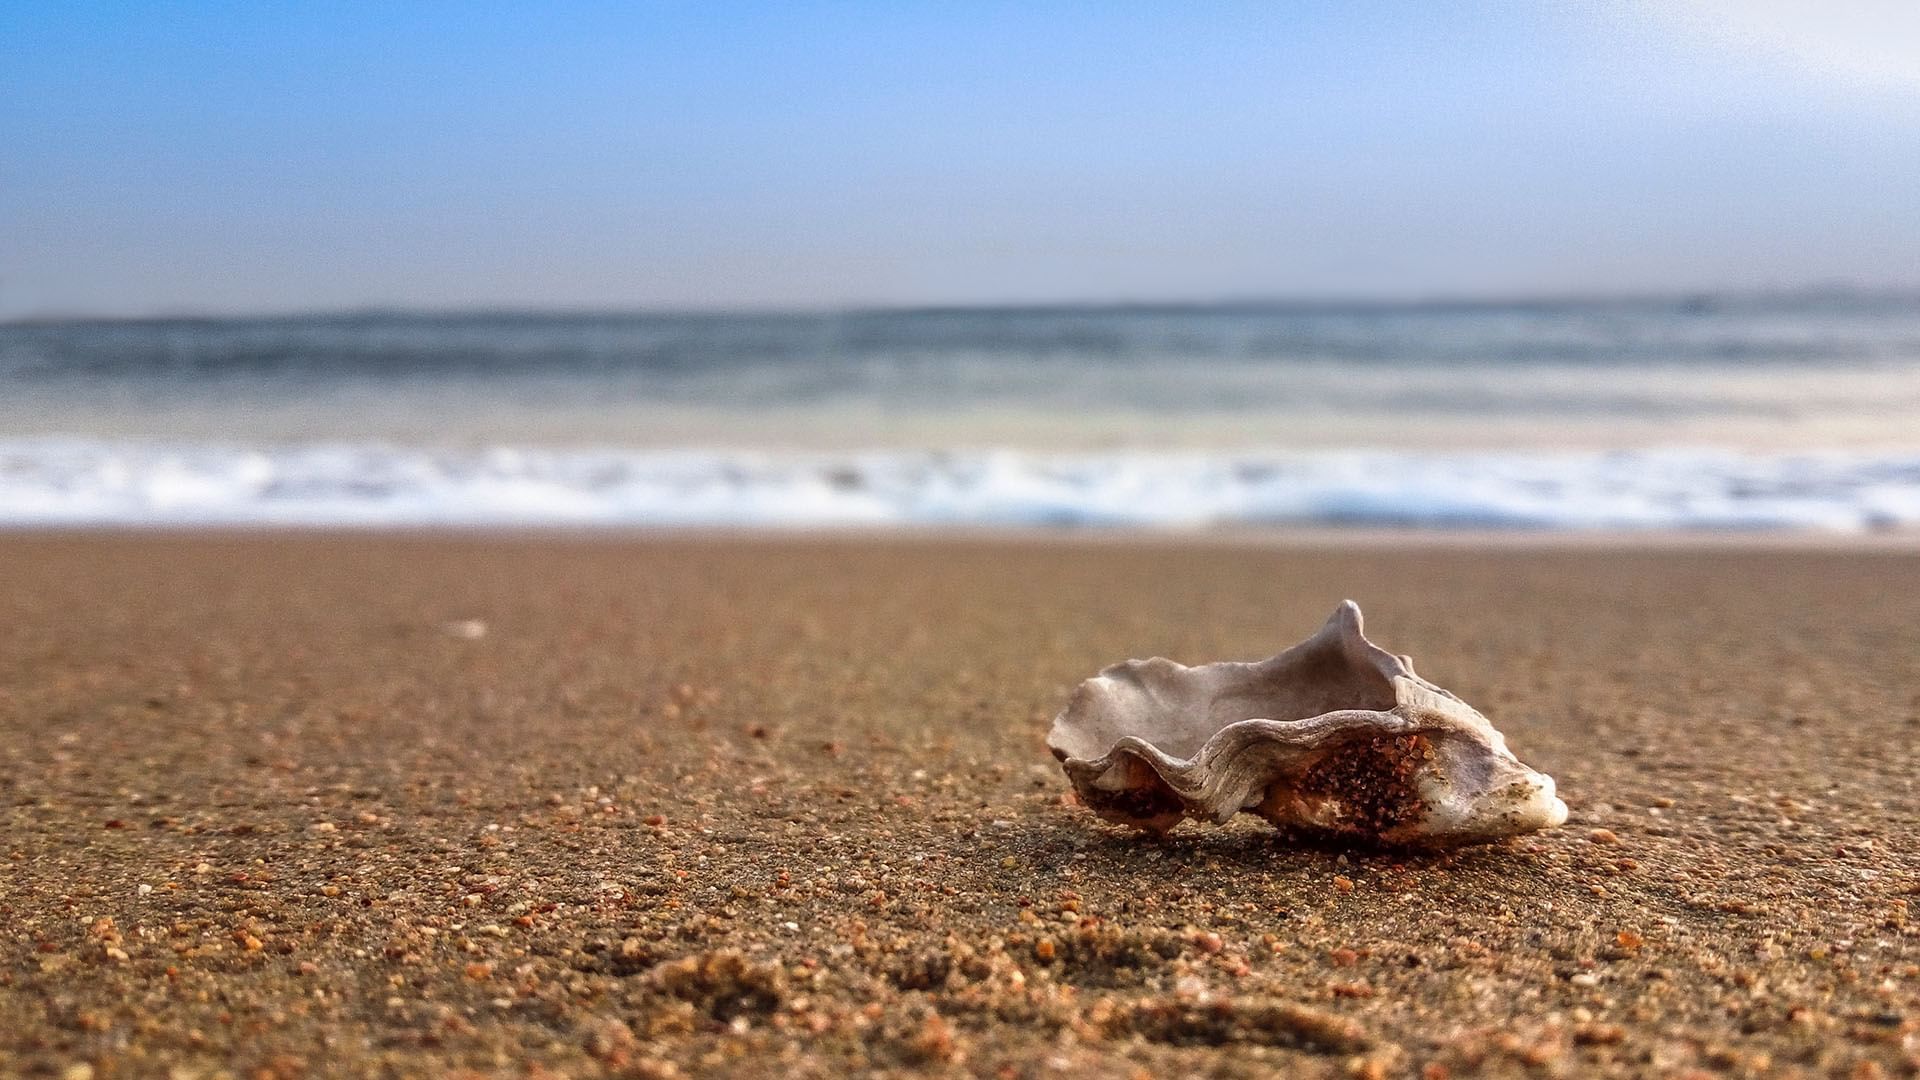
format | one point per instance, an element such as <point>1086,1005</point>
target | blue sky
<point>208,157</point>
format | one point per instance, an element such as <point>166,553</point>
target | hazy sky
<point>219,157</point>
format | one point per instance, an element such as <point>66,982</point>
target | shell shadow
<point>1258,849</point>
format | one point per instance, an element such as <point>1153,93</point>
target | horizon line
<point>1697,299</point>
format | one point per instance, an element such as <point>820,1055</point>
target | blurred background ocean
<point>1691,413</point>
<point>875,265</point>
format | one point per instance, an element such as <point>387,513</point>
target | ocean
<point>1696,413</point>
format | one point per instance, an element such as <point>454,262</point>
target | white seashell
<point>1335,739</point>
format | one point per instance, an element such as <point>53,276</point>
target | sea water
<point>1683,413</point>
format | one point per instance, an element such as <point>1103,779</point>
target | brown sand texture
<point>540,806</point>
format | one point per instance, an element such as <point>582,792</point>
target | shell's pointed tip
<point>1347,614</point>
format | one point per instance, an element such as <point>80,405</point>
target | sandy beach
<point>418,805</point>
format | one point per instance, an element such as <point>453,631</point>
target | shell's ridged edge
<point>1198,779</point>
<point>1243,760</point>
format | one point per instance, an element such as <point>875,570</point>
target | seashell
<point>1334,739</point>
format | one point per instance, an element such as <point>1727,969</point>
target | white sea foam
<point>91,482</point>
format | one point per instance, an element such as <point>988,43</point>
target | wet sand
<point>412,805</point>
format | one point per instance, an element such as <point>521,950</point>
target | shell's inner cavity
<point>1145,801</point>
<point>1366,787</point>
<point>1145,804</point>
<point>1315,685</point>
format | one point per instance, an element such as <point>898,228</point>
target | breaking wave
<point>49,482</point>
